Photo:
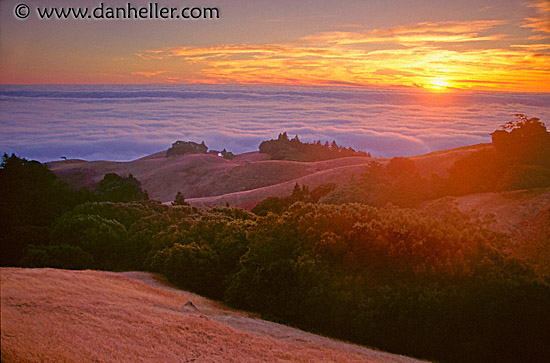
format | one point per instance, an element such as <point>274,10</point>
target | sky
<point>501,45</point>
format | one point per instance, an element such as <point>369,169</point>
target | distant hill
<point>206,179</point>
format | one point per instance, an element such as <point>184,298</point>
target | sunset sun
<point>438,84</point>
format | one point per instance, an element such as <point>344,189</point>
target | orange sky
<point>492,45</point>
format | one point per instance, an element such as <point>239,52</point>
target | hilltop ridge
<point>208,179</point>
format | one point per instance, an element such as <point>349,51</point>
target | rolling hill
<point>207,180</point>
<point>60,315</point>
<point>243,181</point>
<point>523,214</point>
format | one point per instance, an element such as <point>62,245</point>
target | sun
<point>439,84</point>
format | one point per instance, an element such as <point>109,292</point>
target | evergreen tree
<point>179,199</point>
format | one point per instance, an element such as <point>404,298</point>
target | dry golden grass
<point>53,315</point>
<point>510,209</point>
<point>211,180</point>
<point>249,198</point>
<point>193,175</point>
<point>439,162</point>
<point>337,171</point>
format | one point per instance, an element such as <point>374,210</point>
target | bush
<point>396,279</point>
<point>114,188</point>
<point>105,240</point>
<point>58,256</point>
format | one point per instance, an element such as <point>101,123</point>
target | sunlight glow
<point>433,56</point>
<point>439,84</point>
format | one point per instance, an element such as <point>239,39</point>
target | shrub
<point>57,256</point>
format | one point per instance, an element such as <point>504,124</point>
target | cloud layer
<point>127,122</point>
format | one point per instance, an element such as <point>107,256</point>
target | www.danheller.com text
<point>152,10</point>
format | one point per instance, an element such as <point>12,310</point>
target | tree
<point>284,149</point>
<point>297,192</point>
<point>400,165</point>
<point>57,256</point>
<point>106,240</point>
<point>179,199</point>
<point>227,154</point>
<point>114,188</point>
<point>31,197</point>
<point>523,140</point>
<point>186,147</point>
<point>520,158</point>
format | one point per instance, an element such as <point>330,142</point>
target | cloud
<point>426,54</point>
<point>149,74</point>
<point>532,47</point>
<point>127,122</point>
<point>540,22</point>
<point>414,34</point>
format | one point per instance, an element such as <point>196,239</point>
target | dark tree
<point>31,197</point>
<point>179,199</point>
<point>523,140</point>
<point>519,159</point>
<point>114,188</point>
<point>186,147</point>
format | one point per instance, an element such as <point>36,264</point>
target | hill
<point>524,214</point>
<point>206,179</point>
<point>59,315</point>
<point>209,180</point>
<point>509,209</point>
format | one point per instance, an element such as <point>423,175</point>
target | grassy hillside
<point>212,180</point>
<point>59,315</point>
<point>524,214</point>
<point>510,209</point>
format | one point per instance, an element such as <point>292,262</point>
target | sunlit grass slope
<point>58,315</point>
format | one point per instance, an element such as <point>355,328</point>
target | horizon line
<point>448,90</point>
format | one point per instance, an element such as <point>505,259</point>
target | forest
<point>293,149</point>
<point>429,284</point>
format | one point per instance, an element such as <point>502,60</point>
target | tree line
<point>293,149</point>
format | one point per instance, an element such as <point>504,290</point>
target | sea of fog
<point>125,122</point>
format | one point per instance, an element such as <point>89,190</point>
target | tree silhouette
<point>179,199</point>
<point>31,197</point>
<point>115,188</point>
